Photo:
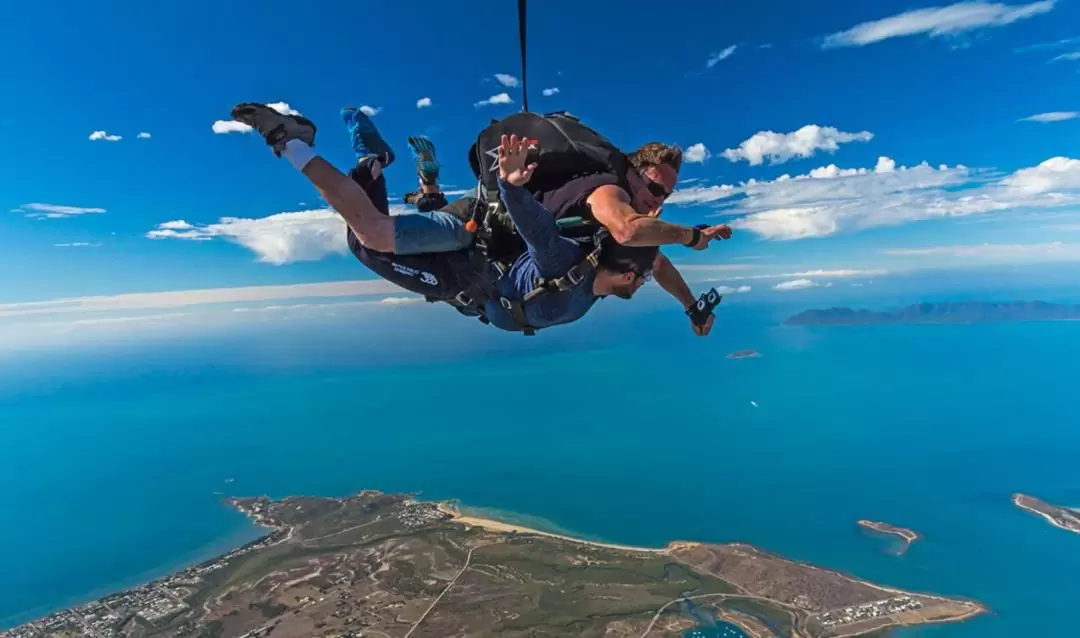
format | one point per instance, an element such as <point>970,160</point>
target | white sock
<point>298,153</point>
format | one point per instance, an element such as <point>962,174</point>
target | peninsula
<point>389,566</point>
<point>960,312</point>
<point>907,535</point>
<point>1062,517</point>
<point>743,354</point>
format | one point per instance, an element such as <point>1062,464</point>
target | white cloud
<point>717,57</point>
<point>1046,45</point>
<point>143,135</point>
<point>185,298</point>
<point>702,194</point>
<point>54,211</point>
<point>829,199</point>
<point>501,98</point>
<point>781,147</point>
<point>385,301</point>
<point>97,136</point>
<point>696,153</point>
<point>1067,57</point>
<point>278,239</point>
<point>833,274</point>
<point>222,127</point>
<point>78,244</point>
<point>551,91</point>
<point>1053,116</point>
<point>370,111</point>
<point>423,103</point>
<point>796,284</point>
<point>507,80</point>
<point>948,20</point>
<point>1055,249</point>
<point>728,290</point>
<point>230,126</point>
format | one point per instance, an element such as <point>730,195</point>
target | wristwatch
<point>697,237</point>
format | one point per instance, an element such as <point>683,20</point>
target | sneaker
<point>427,166</point>
<point>274,127</point>
<point>366,140</point>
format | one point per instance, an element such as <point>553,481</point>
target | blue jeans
<point>434,232</point>
<point>414,232</point>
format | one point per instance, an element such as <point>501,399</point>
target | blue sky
<point>986,94</point>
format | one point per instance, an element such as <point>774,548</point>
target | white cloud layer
<point>99,136</point>
<point>143,135</point>
<point>781,147</point>
<point>278,239</point>
<point>78,244</point>
<point>948,20</point>
<point>507,80</point>
<point>55,211</point>
<point>423,103</point>
<point>550,91</point>
<point>185,298</point>
<point>715,58</point>
<point>1067,57</point>
<point>222,127</point>
<point>796,284</point>
<point>728,290</point>
<point>501,98</point>
<point>830,199</point>
<point>1057,249</point>
<point>1053,116</point>
<point>696,153</point>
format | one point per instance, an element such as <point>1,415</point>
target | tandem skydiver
<point>555,281</point>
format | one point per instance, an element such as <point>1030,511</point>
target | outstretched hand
<point>722,231</point>
<point>513,158</point>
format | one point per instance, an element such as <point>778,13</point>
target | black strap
<point>521,37</point>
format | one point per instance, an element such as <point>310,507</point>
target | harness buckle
<point>574,275</point>
<point>463,299</point>
<point>506,304</point>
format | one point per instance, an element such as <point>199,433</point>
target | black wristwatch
<point>697,237</point>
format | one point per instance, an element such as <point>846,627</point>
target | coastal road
<point>468,559</point>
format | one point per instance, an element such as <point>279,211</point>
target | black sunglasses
<point>657,189</point>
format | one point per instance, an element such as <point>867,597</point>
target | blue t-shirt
<point>549,255</point>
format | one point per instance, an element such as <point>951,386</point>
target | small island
<point>1062,517</point>
<point>744,354</point>
<point>376,564</point>
<point>959,312</point>
<point>906,535</point>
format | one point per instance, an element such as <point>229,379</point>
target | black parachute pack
<point>567,148</point>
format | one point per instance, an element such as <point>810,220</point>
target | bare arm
<point>671,280</point>
<point>611,207</point>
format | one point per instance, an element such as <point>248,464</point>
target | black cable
<point>521,37</point>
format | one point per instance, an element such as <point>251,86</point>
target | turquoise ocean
<point>628,430</point>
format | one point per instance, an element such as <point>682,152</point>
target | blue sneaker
<point>427,166</point>
<point>366,140</point>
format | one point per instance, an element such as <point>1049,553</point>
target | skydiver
<point>430,252</point>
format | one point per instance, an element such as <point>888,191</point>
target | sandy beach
<point>499,526</point>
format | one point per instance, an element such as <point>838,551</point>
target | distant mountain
<point>961,312</point>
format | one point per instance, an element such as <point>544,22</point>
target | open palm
<point>514,167</point>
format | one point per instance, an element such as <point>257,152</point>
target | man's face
<point>629,284</point>
<point>653,186</point>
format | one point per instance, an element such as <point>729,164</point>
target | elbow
<point>625,232</point>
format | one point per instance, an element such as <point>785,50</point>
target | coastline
<point>1017,501</point>
<point>512,528</point>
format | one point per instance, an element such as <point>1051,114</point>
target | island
<point>958,312</point>
<point>744,354</point>
<point>382,565</point>
<point>1062,517</point>
<point>906,535</point>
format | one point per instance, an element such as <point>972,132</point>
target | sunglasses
<point>657,189</point>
